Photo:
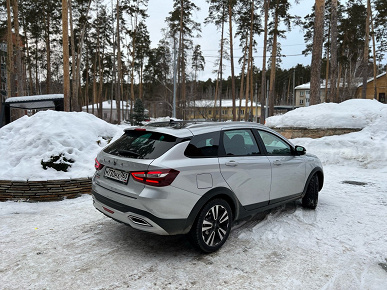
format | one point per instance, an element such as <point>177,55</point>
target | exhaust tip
<point>139,221</point>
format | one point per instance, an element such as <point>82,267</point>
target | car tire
<point>212,226</point>
<point>310,198</point>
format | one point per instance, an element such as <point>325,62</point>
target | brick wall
<point>292,133</point>
<point>44,190</point>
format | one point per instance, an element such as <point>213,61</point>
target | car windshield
<point>141,145</point>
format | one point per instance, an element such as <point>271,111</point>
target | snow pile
<point>356,113</point>
<point>366,148</point>
<point>27,141</point>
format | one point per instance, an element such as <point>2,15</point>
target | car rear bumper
<point>139,219</point>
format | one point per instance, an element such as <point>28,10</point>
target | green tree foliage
<point>198,61</point>
<point>381,26</point>
<point>138,112</point>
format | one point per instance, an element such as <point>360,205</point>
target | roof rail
<point>176,124</point>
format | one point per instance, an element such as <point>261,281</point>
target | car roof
<point>183,129</point>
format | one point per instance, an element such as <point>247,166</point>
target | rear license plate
<point>117,175</point>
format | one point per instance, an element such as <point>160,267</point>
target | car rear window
<point>141,144</point>
<point>204,145</point>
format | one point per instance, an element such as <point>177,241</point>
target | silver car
<point>198,179</point>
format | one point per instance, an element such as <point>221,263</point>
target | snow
<point>27,141</point>
<point>355,113</point>
<point>109,105</point>
<point>227,103</point>
<point>70,245</point>
<point>34,98</point>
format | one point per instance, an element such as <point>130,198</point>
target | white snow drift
<point>27,141</point>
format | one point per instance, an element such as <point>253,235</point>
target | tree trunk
<point>249,61</point>
<point>19,66</point>
<point>263,81</point>
<point>273,64</point>
<point>30,91</point>
<point>74,95</point>
<point>182,62</point>
<point>77,77</point>
<point>10,64</point>
<point>318,37</point>
<point>247,86</point>
<point>94,93</point>
<point>366,51</point>
<point>48,48</point>
<point>132,97</point>
<point>242,84</point>
<point>326,96</point>
<point>37,85</point>
<point>373,54</point>
<point>232,61</point>
<point>252,90</point>
<point>118,89</point>
<point>337,96</point>
<point>221,67</point>
<point>66,66</point>
<point>87,85</point>
<point>333,88</point>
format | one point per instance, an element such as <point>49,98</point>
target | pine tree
<point>280,14</point>
<point>138,112</point>
<point>217,14</point>
<point>183,27</point>
<point>141,52</point>
<point>198,61</point>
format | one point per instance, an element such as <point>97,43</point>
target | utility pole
<point>294,87</point>
<point>267,98</point>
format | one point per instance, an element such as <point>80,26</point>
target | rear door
<point>245,169</point>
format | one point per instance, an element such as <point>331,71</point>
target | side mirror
<point>300,150</point>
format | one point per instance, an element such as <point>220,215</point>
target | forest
<point>98,50</point>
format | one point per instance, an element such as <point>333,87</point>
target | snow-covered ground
<point>340,245</point>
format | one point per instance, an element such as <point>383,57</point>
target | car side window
<point>204,145</point>
<point>240,142</point>
<point>275,145</point>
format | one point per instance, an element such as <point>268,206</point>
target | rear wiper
<point>128,152</point>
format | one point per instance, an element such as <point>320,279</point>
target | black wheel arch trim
<point>320,174</point>
<point>219,192</point>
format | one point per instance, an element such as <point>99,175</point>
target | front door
<point>288,170</point>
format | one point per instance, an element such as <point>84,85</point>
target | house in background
<point>302,92</point>
<point>109,110</point>
<point>302,95</point>
<point>205,109</point>
<point>381,88</point>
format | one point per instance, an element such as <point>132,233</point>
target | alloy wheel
<point>215,225</point>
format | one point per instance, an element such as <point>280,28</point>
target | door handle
<point>231,163</point>
<point>277,162</point>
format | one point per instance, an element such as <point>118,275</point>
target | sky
<point>293,45</point>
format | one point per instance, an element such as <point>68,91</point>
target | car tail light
<point>162,177</point>
<point>97,165</point>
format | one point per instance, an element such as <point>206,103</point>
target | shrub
<point>58,162</point>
